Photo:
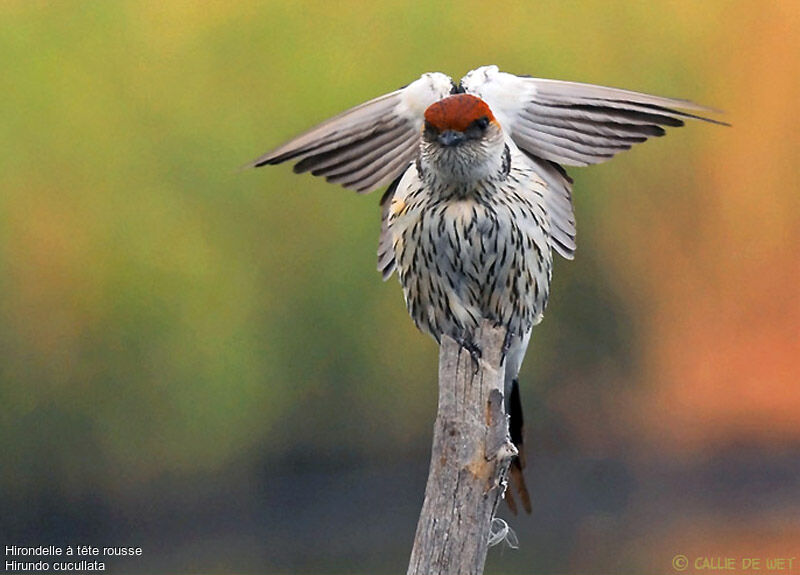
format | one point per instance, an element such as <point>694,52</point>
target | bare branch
<point>469,460</point>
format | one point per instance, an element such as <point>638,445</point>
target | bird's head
<point>461,139</point>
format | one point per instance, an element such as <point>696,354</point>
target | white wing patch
<point>417,96</point>
<point>505,93</point>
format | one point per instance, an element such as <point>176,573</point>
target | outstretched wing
<point>368,146</point>
<point>568,123</point>
<point>572,123</point>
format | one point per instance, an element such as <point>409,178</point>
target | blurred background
<point>204,362</point>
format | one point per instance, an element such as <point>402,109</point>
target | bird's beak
<point>451,138</point>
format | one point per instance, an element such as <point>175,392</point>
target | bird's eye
<point>431,132</point>
<point>477,128</point>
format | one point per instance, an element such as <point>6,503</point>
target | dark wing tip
<point>265,160</point>
<point>713,121</point>
<point>691,116</point>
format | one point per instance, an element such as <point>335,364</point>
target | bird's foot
<point>475,352</point>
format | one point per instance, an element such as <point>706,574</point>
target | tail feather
<point>516,430</point>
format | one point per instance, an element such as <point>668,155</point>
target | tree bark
<point>469,460</point>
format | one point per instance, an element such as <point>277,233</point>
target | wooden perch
<point>469,460</point>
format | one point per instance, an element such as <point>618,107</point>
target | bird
<point>478,199</point>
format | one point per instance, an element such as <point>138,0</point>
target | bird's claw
<point>475,352</point>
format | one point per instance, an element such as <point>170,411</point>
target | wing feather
<point>558,205</point>
<point>617,129</point>
<point>367,146</point>
<point>333,161</point>
<point>357,165</point>
<point>552,118</point>
<point>602,113</point>
<point>383,174</point>
<point>333,152</point>
<point>563,152</point>
<point>617,144</point>
<point>555,122</point>
<point>386,261</point>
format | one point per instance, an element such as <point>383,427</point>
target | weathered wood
<point>469,460</point>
